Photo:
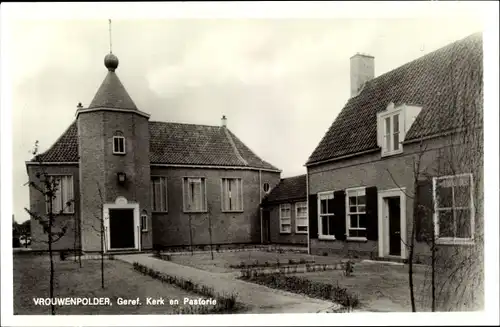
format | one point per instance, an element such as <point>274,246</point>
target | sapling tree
<point>48,186</point>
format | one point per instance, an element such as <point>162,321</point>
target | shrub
<point>302,261</point>
<point>62,255</point>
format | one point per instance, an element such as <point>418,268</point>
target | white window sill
<point>357,239</point>
<point>144,230</point>
<point>297,232</point>
<point>285,232</point>
<point>391,153</point>
<point>120,153</point>
<point>195,211</point>
<point>232,211</point>
<point>326,237</point>
<point>456,241</point>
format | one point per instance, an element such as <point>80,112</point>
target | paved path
<point>259,298</point>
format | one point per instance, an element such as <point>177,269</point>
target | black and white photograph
<point>249,163</point>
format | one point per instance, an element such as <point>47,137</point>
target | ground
<point>31,280</point>
<point>223,260</point>
<point>379,286</point>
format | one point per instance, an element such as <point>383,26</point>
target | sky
<point>280,82</point>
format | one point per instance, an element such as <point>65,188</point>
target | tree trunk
<point>102,251</point>
<point>51,281</point>
<point>190,235</point>
<point>210,234</point>
<point>433,272</point>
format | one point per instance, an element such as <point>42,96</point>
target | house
<point>285,219</point>
<point>403,161</point>
<point>156,184</point>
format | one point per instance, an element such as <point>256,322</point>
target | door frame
<point>122,203</point>
<point>383,221</point>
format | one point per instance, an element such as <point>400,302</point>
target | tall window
<point>195,194</point>
<point>301,217</point>
<point>63,201</point>
<point>232,194</point>
<point>118,143</point>
<point>159,194</point>
<point>285,218</point>
<point>454,213</point>
<point>326,216</point>
<point>392,133</point>
<point>356,212</point>
<point>144,221</point>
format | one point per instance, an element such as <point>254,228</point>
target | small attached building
<point>284,212</point>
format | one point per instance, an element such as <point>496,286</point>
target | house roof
<point>176,144</point>
<point>112,94</point>
<point>292,188</point>
<point>446,83</point>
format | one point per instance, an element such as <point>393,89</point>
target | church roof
<point>174,144</point>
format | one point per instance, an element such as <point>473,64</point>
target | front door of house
<point>121,228</point>
<point>394,208</point>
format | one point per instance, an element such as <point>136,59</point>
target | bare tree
<point>48,186</point>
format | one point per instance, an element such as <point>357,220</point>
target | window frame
<point>322,236</point>
<point>297,218</point>
<point>348,213</point>
<point>165,189</point>
<point>401,133</point>
<point>72,192</point>
<point>453,240</point>
<point>289,218</point>
<point>119,137</point>
<point>203,186</point>
<point>144,227</point>
<point>224,182</point>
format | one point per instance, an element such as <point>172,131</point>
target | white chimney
<point>223,121</point>
<point>362,70</point>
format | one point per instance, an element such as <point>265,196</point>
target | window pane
<point>462,196</point>
<point>396,141</point>
<point>357,233</point>
<point>302,228</point>
<point>463,223</point>
<point>331,225</point>
<point>352,200</point>
<point>362,221</point>
<point>444,195</point>
<point>353,209</point>
<point>361,208</point>
<point>446,228</point>
<point>362,199</point>
<point>324,225</point>
<point>323,206</point>
<point>330,206</point>
<point>286,228</point>
<point>388,125</point>
<point>395,120</point>
<point>354,220</point>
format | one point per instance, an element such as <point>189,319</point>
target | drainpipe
<point>307,201</point>
<point>260,207</point>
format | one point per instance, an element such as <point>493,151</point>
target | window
<point>266,187</point>
<point>454,214</point>
<point>194,194</point>
<point>118,143</point>
<point>159,194</point>
<point>356,213</point>
<point>232,194</point>
<point>63,201</point>
<point>392,134</point>
<point>326,216</point>
<point>144,221</point>
<point>285,218</point>
<point>301,217</point>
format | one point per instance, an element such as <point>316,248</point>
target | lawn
<point>380,286</point>
<point>31,280</point>
<point>223,261</point>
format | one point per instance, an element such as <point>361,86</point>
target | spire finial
<point>110,41</point>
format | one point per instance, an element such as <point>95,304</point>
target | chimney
<point>362,70</point>
<point>223,121</point>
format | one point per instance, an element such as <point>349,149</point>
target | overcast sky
<point>281,83</point>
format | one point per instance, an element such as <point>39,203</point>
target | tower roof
<point>112,93</point>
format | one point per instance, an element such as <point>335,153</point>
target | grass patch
<point>226,303</point>
<point>307,287</point>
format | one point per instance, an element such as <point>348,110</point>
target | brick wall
<point>284,238</point>
<point>172,228</point>
<point>38,205</point>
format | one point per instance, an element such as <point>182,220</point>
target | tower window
<point>118,145</point>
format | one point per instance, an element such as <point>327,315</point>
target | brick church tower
<point>114,167</point>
